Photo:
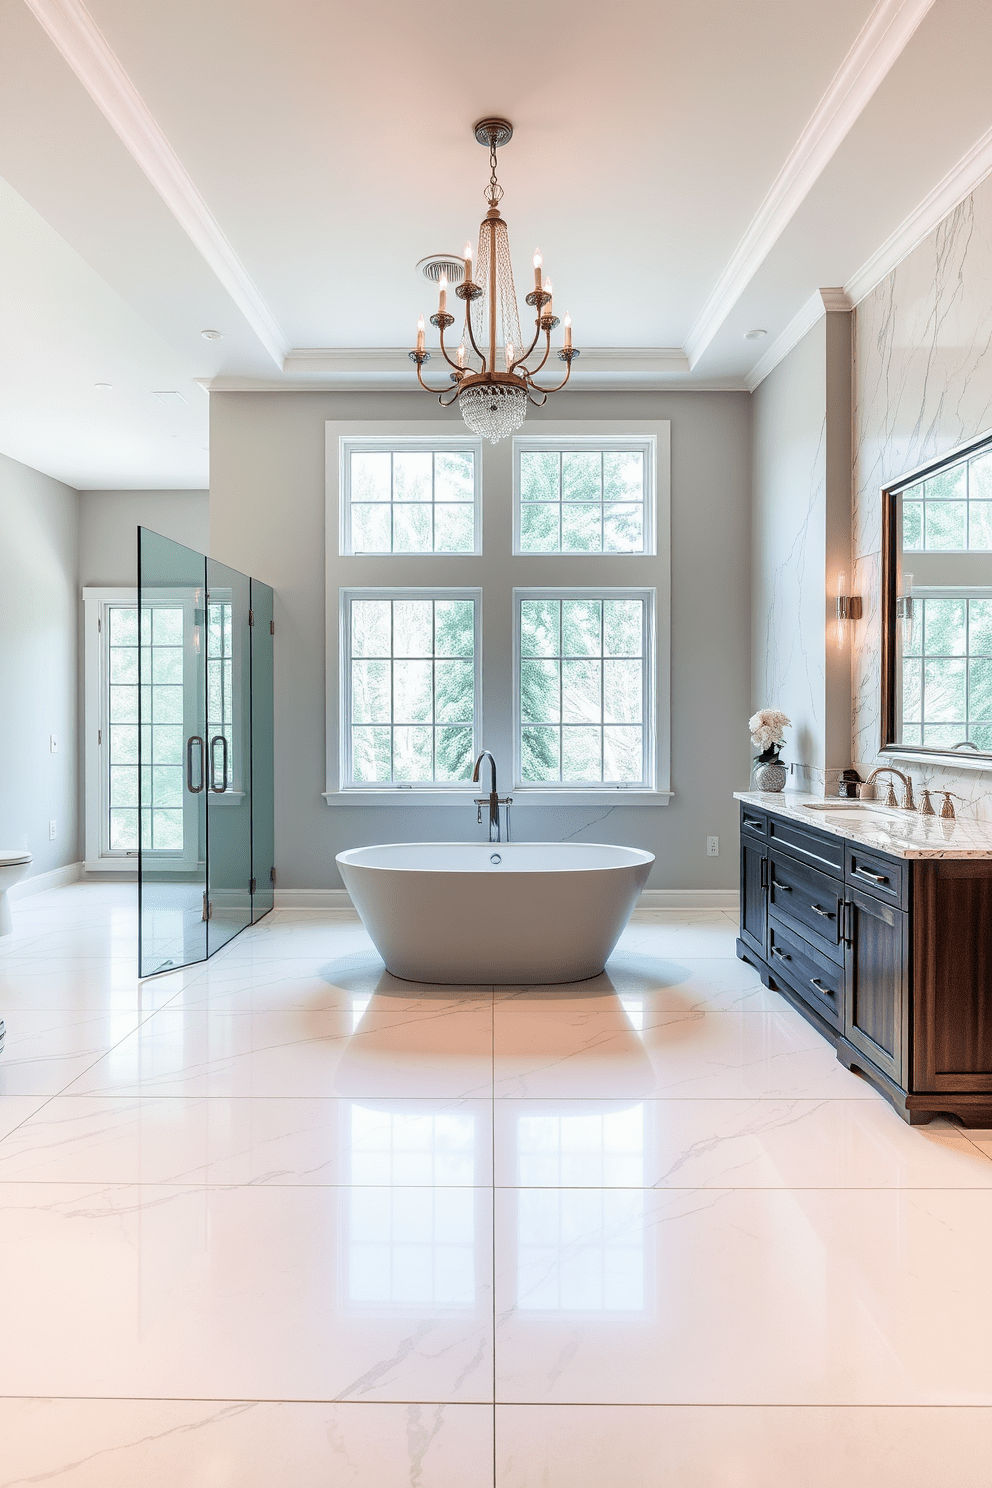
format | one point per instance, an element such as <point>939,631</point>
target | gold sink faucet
<point>908,803</point>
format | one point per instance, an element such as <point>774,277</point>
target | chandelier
<point>493,403</point>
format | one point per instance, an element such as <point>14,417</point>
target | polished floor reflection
<point>283,1218</point>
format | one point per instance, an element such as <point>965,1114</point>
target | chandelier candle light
<point>494,404</point>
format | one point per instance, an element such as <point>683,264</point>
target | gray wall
<point>267,518</point>
<point>107,523</point>
<point>38,664</point>
<point>800,542</point>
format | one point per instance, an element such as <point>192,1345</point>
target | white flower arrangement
<point>767,727</point>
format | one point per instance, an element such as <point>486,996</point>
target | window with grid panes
<point>421,498</point>
<point>583,687</point>
<point>161,685</point>
<point>411,684</point>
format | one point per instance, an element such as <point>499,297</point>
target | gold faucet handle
<point>890,795</point>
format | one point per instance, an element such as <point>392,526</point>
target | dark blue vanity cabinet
<point>891,959</point>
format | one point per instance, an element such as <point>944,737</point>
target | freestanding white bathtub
<point>503,912</point>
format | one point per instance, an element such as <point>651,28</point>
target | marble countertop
<point>902,834</point>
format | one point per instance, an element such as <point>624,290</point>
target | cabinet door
<point>875,982</point>
<point>754,894</point>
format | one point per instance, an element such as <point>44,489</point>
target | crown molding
<point>880,42</point>
<point>836,301</point>
<point>803,321</point>
<point>639,363</point>
<point>961,180</point>
<point>75,34</point>
<point>388,369</point>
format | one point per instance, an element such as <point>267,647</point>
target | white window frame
<point>646,444</point>
<point>649,722</point>
<point>420,444</point>
<point>497,571</point>
<point>405,787</point>
<point>99,856</point>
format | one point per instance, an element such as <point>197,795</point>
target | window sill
<point>225,798</point>
<point>464,800</point>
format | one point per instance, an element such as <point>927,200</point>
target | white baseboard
<point>312,899</point>
<point>689,899</point>
<point>650,899</point>
<point>54,879</point>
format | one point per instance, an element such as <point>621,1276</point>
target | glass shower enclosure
<point>205,754</point>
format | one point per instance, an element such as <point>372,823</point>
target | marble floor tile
<point>567,1041</point>
<point>45,1051</point>
<point>247,1293</point>
<point>349,982</point>
<point>742,1447</point>
<point>761,1144</point>
<point>91,988</point>
<point>273,1140</point>
<point>15,1109</point>
<point>719,1297</point>
<point>442,1046</point>
<point>243,1444</point>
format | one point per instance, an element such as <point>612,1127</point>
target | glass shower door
<point>171,755</point>
<point>228,753</point>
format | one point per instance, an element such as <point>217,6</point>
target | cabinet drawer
<point>812,975</point>
<point>808,901</point>
<point>887,878</point>
<point>753,821</point>
<point>818,849</point>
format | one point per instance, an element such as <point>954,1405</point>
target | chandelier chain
<point>495,191</point>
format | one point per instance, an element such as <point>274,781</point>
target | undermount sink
<point>844,803</point>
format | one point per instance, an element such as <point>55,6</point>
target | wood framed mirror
<point>937,610</point>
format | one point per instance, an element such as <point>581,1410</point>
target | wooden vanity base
<point>889,958</point>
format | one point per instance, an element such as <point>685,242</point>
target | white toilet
<point>14,864</point>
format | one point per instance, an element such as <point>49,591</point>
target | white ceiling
<point>275,170</point>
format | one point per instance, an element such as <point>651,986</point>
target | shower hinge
<point>251,617</point>
<point>208,909</point>
<point>99,736</point>
<point>272,627</point>
<point>251,886</point>
<point>272,875</point>
<point>99,624</point>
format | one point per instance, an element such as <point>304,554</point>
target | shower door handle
<point>222,740</point>
<point>194,790</point>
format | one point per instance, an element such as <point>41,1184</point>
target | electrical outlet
<point>53,743</point>
<point>51,831</point>
<point>712,847</point>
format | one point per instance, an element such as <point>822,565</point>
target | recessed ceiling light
<point>103,387</point>
<point>210,335</point>
<point>755,335</point>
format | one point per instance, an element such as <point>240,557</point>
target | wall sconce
<point>904,612</point>
<point>848,608</point>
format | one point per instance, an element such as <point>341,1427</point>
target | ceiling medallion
<point>494,404</point>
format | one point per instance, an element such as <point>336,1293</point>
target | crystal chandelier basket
<point>493,403</point>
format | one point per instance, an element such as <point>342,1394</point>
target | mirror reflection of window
<point>580,1225</point>
<point>411,1246</point>
<point>944,609</point>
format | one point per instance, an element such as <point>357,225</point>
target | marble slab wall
<point>922,384</point>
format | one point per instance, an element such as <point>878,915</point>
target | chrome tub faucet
<point>493,800</point>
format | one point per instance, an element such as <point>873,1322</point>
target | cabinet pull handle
<point>752,821</point>
<point>875,877</point>
<point>764,873</point>
<point>815,982</point>
<point>782,955</point>
<point>846,906</point>
<point>825,914</point>
<point>786,888</point>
